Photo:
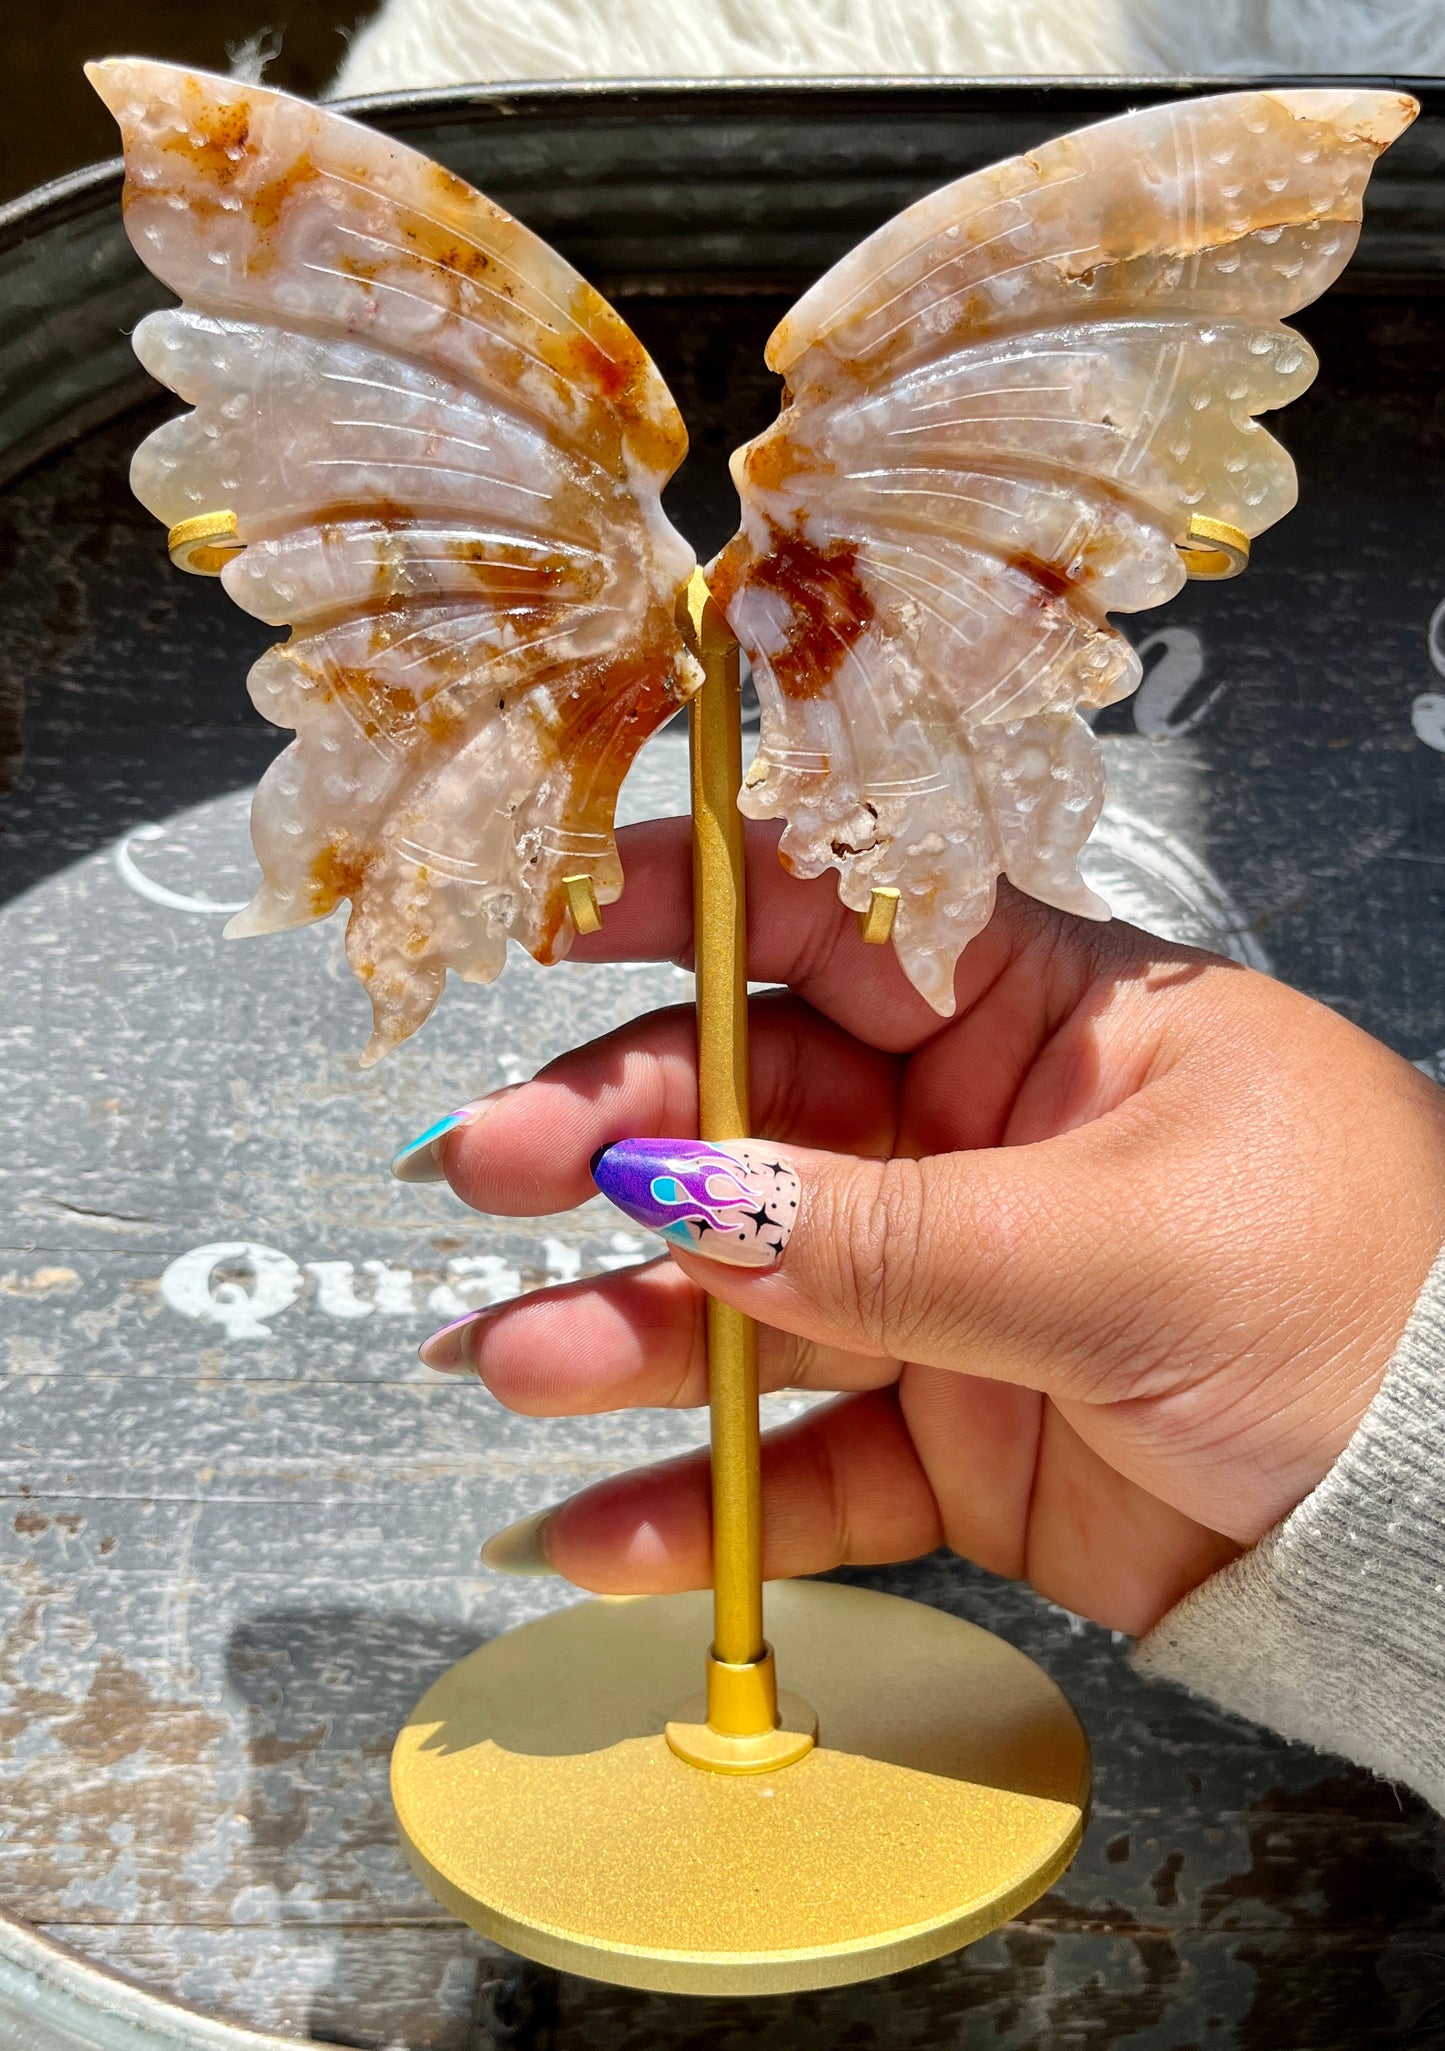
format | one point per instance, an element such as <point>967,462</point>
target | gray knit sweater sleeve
<point>1333,1629</point>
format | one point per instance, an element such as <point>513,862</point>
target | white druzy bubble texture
<point>445,454</point>
<point>1002,412</point>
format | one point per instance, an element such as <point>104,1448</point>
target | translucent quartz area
<point>445,453</point>
<point>1002,410</point>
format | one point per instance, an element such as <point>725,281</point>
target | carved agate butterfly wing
<point>443,453</point>
<point>1026,402</point>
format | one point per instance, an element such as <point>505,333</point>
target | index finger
<point>799,933</point>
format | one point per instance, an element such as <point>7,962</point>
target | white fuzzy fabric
<point>455,42</point>
<point>1333,1629</point>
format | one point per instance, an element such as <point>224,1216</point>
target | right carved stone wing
<point>1024,403</point>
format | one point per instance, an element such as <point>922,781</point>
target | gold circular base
<point>538,1798</point>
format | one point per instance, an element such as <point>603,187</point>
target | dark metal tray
<point>241,1528</point>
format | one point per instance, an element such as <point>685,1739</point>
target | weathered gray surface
<point>230,1559</point>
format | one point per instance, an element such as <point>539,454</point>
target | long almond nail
<point>449,1351</point>
<point>735,1202</point>
<point>520,1548</point>
<point>420,1160</point>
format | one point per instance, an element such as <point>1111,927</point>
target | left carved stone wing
<point>444,452</point>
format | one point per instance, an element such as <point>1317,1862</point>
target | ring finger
<point>630,1340</point>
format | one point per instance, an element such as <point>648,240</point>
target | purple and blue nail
<point>735,1202</point>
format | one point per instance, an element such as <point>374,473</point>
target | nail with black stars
<point>727,1200</point>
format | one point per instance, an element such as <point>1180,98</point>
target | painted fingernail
<point>421,1159</point>
<point>449,1351</point>
<point>735,1202</point>
<point>521,1548</point>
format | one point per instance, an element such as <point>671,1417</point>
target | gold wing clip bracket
<point>1213,550</point>
<point>876,924</point>
<point>203,546</point>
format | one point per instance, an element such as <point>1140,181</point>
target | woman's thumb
<point>910,1258</point>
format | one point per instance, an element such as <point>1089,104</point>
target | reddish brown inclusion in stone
<point>828,608</point>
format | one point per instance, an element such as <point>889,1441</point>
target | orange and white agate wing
<point>1002,412</point>
<point>445,454</point>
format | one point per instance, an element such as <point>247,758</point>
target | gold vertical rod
<point>720,946</point>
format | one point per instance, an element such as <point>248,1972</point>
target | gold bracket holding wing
<point>203,546</point>
<point>876,924</point>
<point>1213,551</point>
<point>581,894</point>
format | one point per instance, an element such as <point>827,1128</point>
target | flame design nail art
<point>735,1203</point>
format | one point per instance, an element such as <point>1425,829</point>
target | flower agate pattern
<point>445,454</point>
<point>1001,412</point>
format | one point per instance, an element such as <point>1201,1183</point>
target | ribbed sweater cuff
<point>1332,1630</point>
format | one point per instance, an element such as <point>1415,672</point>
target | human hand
<point>1106,1268</point>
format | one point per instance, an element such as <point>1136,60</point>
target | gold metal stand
<point>742,1731</point>
<point>568,1791</point>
